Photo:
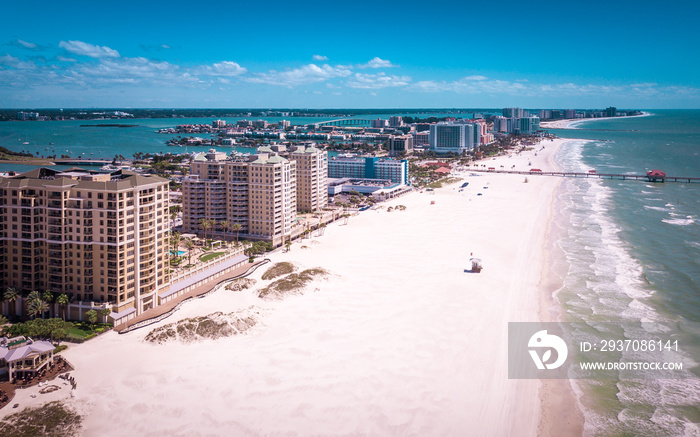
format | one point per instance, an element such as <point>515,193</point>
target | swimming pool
<point>178,253</point>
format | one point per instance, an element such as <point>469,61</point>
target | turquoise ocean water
<point>630,250</point>
<point>67,137</point>
<point>631,254</point>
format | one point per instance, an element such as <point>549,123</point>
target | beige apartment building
<point>261,192</point>
<point>312,178</point>
<point>94,236</point>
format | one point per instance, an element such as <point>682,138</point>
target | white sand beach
<point>573,123</point>
<point>399,341</point>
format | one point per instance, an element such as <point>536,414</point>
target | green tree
<point>224,225</point>
<point>91,316</point>
<point>63,301</point>
<point>236,228</point>
<point>34,295</point>
<point>11,296</point>
<point>175,242</point>
<point>205,224</point>
<point>189,244</point>
<point>58,329</point>
<point>105,312</point>
<point>36,307</point>
<point>48,298</point>
<point>288,245</point>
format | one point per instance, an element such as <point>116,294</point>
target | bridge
<point>345,122</point>
<point>78,161</point>
<point>636,177</point>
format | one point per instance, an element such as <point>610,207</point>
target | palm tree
<point>36,307</point>
<point>104,312</point>
<point>288,245</point>
<point>224,225</point>
<point>34,295</point>
<point>48,298</point>
<point>205,224</point>
<point>11,296</point>
<point>236,228</point>
<point>189,244</point>
<point>175,241</point>
<point>62,300</point>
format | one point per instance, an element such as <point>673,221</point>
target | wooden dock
<point>636,177</point>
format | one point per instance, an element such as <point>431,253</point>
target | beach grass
<point>291,283</point>
<point>441,182</point>
<point>279,269</point>
<point>51,420</point>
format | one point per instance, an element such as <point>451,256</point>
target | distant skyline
<point>362,54</point>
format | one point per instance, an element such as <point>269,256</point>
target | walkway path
<point>172,305</point>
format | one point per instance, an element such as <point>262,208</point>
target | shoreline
<point>571,123</point>
<point>560,412</point>
<point>399,339</point>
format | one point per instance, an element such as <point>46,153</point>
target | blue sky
<point>361,54</point>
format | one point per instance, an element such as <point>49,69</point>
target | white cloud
<point>9,60</point>
<point>320,58</point>
<point>65,59</point>
<point>86,49</point>
<point>377,62</point>
<point>127,70</point>
<point>28,45</point>
<point>307,74</point>
<point>13,62</point>
<point>224,68</point>
<point>377,81</point>
<point>522,88</point>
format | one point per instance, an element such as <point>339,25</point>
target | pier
<point>636,177</point>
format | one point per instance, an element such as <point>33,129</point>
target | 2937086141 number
<point>638,345</point>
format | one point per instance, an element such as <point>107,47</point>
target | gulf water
<point>631,250</point>
<point>69,137</point>
<point>632,255</point>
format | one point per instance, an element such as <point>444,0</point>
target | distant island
<point>108,125</point>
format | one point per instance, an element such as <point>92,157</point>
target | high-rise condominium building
<point>367,167</point>
<point>455,137</point>
<point>379,123</point>
<point>260,193</point>
<point>94,236</point>
<point>395,121</point>
<point>513,112</point>
<point>400,144</point>
<point>312,178</point>
<point>529,125</point>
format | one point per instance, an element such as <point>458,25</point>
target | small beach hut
<point>476,265</point>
